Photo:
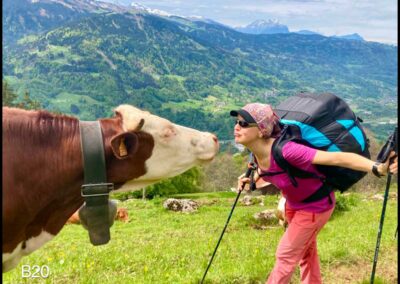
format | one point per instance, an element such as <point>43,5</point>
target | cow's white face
<point>176,148</point>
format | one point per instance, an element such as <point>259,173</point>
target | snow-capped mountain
<point>141,7</point>
<point>271,26</point>
<point>193,18</point>
<point>354,36</point>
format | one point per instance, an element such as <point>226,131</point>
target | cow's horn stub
<point>140,125</point>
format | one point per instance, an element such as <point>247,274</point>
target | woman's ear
<point>124,145</point>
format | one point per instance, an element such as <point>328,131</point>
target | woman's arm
<point>352,161</point>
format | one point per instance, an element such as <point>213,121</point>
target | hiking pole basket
<point>390,145</point>
<point>249,171</point>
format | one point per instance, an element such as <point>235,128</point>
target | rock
<point>266,217</point>
<point>181,205</point>
<point>381,196</point>
<point>248,200</point>
<point>378,197</point>
<point>393,195</point>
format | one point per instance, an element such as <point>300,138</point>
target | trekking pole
<point>250,169</point>
<point>378,241</point>
<point>390,145</point>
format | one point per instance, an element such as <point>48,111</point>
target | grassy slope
<point>159,246</point>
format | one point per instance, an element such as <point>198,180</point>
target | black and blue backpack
<point>324,122</point>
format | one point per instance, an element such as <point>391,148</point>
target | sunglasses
<point>245,124</point>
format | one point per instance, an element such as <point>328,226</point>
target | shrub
<point>188,182</point>
<point>223,172</point>
<point>344,202</point>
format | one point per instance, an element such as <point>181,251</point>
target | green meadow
<point>161,246</point>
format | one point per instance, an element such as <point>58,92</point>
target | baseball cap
<point>262,114</point>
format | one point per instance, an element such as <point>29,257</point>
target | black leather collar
<point>95,212</point>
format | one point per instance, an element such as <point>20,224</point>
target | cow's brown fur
<point>43,171</point>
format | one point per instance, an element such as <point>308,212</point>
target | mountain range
<point>85,57</point>
<point>264,27</point>
<point>274,27</point>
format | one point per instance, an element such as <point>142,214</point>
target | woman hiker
<point>256,128</point>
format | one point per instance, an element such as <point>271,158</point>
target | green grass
<point>160,246</point>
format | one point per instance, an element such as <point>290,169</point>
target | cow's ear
<point>124,145</point>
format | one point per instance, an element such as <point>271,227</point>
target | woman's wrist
<point>378,169</point>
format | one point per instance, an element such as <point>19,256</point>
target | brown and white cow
<point>43,171</point>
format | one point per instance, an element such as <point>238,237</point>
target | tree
<point>28,103</point>
<point>75,109</point>
<point>9,96</point>
<point>222,173</point>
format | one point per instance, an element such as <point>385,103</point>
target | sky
<point>374,20</point>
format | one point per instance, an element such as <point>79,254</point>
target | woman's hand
<point>242,180</point>
<point>393,167</point>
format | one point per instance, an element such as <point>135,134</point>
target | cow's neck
<point>44,155</point>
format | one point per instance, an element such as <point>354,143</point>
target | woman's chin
<point>238,140</point>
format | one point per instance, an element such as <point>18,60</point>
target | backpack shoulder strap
<point>264,173</point>
<point>291,170</point>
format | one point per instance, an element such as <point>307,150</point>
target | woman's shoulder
<point>293,145</point>
<point>296,150</point>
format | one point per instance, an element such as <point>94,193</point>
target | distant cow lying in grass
<point>121,215</point>
<point>43,167</point>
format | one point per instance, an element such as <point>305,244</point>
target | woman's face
<point>245,135</point>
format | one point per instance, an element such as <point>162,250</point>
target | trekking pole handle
<point>394,143</point>
<point>250,168</point>
<point>390,145</point>
<point>249,174</point>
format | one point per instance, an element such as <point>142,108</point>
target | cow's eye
<point>168,132</point>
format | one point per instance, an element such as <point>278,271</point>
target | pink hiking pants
<point>299,246</point>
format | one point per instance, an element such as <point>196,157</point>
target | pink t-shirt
<point>301,157</point>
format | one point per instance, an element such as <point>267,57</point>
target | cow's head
<point>176,148</point>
